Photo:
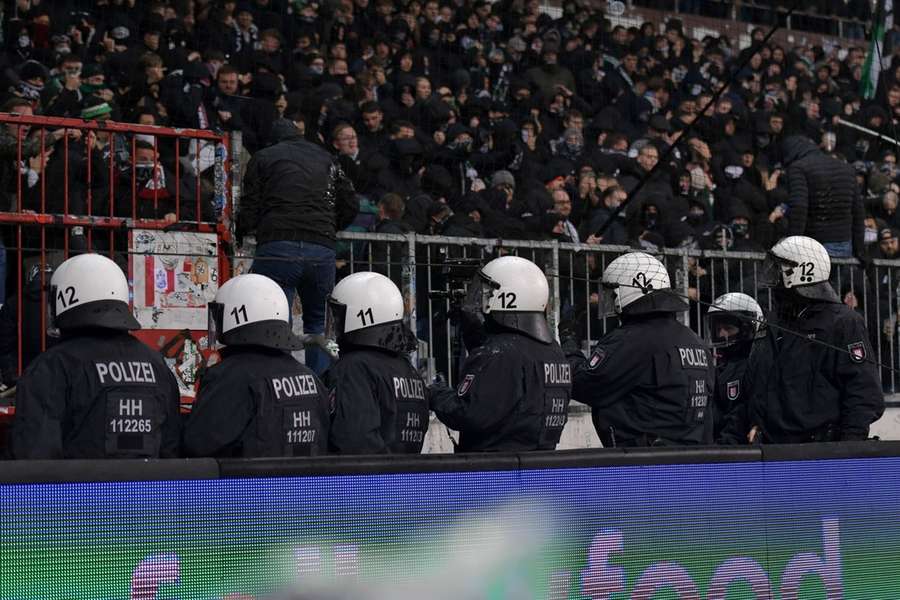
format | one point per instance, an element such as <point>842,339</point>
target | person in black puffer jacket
<point>824,201</point>
<point>295,199</point>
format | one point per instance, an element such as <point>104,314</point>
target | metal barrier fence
<point>423,267</point>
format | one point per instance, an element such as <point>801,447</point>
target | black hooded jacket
<point>295,190</point>
<point>824,198</point>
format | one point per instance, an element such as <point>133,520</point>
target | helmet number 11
<point>238,313</point>
<point>367,313</point>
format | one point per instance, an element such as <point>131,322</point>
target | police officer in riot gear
<point>379,399</point>
<point>733,322</point>
<point>514,389</point>
<point>259,401</point>
<point>649,381</point>
<point>99,392</point>
<point>814,378</point>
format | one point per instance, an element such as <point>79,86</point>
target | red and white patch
<point>598,357</point>
<point>857,351</point>
<point>464,385</point>
<point>733,390</point>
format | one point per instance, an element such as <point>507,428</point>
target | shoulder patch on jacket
<point>598,357</point>
<point>857,351</point>
<point>733,389</point>
<point>464,385</point>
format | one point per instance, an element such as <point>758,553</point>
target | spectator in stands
<point>295,199</point>
<point>388,257</point>
<point>615,234</point>
<point>824,200</point>
<point>345,143</point>
<point>563,229</point>
<point>888,244</point>
<point>373,136</point>
<point>158,194</point>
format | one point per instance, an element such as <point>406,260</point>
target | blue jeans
<point>308,269</point>
<point>839,249</point>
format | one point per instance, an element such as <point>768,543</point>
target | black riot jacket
<point>648,382</point>
<point>817,384</point>
<point>379,403</point>
<point>99,393</point>
<point>258,402</point>
<point>513,395</point>
<point>729,399</point>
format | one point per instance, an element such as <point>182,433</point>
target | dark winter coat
<point>824,200</point>
<point>295,191</point>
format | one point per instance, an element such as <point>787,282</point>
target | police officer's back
<point>733,322</point>
<point>259,401</point>
<point>99,392</point>
<point>379,398</point>
<point>515,388</point>
<point>814,378</point>
<point>650,380</point>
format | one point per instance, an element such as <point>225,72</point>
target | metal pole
<point>685,286</point>
<point>553,275</point>
<point>237,146</point>
<point>408,275</point>
<point>868,131</point>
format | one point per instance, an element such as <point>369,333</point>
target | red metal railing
<point>105,193</point>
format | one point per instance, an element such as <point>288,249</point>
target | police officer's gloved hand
<point>437,385</point>
<point>570,345</point>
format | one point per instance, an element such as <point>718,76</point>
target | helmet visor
<point>335,313</point>
<point>608,296</point>
<point>773,271</point>
<point>724,329</point>
<point>480,293</point>
<point>214,313</point>
<point>52,323</point>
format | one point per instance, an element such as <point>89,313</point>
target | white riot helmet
<point>366,309</point>
<point>801,264</point>
<point>733,318</point>
<point>632,277</point>
<point>251,310</point>
<point>90,290</point>
<point>513,293</point>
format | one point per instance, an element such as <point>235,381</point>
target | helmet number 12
<point>239,312</point>
<point>806,271</point>
<point>67,297</point>
<point>367,313</point>
<point>507,299</point>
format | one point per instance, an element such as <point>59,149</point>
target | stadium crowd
<point>478,119</point>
